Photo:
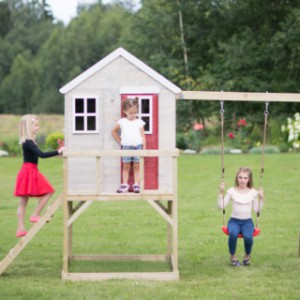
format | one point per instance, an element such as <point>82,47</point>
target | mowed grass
<point>134,227</point>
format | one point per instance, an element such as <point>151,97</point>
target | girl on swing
<point>244,198</point>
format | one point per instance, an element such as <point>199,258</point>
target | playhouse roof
<point>109,58</point>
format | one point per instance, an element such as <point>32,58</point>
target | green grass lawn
<point>133,227</point>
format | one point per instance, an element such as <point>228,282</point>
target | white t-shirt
<point>131,131</point>
<point>242,204</point>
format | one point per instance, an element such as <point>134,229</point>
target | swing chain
<point>266,110</point>
<point>222,138</point>
<point>222,107</point>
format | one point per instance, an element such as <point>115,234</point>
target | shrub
<point>268,150</point>
<point>12,146</point>
<point>215,150</point>
<point>181,141</point>
<point>53,140</point>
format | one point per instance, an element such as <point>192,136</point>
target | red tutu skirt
<point>30,182</point>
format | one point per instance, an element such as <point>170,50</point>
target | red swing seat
<point>255,233</point>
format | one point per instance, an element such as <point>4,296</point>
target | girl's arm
<point>143,137</point>
<point>35,149</point>
<point>115,133</point>
<point>258,202</point>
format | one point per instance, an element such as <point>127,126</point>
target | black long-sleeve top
<point>31,152</point>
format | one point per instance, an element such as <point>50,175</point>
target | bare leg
<point>41,204</point>
<point>21,213</point>
<point>125,175</point>
<point>136,169</point>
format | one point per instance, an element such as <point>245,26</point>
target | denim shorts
<point>128,159</point>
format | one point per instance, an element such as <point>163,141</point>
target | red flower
<point>242,122</point>
<point>230,135</point>
<point>198,126</point>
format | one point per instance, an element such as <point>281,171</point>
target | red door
<point>148,112</point>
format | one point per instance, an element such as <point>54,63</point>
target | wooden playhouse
<point>92,164</point>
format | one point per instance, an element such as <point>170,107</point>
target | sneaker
<point>34,219</point>
<point>235,262</point>
<point>136,188</point>
<point>21,233</point>
<point>246,260</point>
<point>123,188</point>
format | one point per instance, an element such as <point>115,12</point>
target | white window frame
<point>150,114</point>
<point>85,114</point>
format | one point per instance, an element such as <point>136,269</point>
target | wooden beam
<point>159,276</point>
<point>238,96</point>
<point>120,153</point>
<point>124,257</point>
<point>161,212</point>
<point>79,212</point>
<point>120,197</point>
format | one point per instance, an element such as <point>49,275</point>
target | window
<point>145,112</point>
<point>85,115</point>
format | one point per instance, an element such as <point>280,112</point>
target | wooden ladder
<point>16,250</point>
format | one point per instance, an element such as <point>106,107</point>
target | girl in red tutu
<point>30,182</point>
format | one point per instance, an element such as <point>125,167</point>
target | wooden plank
<point>144,257</point>
<point>239,96</point>
<point>120,153</point>
<point>174,215</point>
<point>156,276</point>
<point>161,212</point>
<point>142,175</point>
<point>78,212</point>
<point>120,197</point>
<point>67,241</point>
<point>23,242</point>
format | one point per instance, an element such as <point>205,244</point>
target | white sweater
<point>242,204</point>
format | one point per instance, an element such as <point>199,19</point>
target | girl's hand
<point>61,149</point>
<point>261,193</point>
<point>222,187</point>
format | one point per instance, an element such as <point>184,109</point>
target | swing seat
<point>255,233</point>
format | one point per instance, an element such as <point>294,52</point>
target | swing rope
<point>262,169</point>
<point>266,113</point>
<point>222,156</point>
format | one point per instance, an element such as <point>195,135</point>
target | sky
<point>65,10</point>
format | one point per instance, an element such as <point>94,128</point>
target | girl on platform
<point>30,182</point>
<point>132,138</point>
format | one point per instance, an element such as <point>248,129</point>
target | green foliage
<point>12,146</point>
<point>268,150</point>
<point>54,140</point>
<point>293,131</point>
<point>181,142</point>
<point>220,46</point>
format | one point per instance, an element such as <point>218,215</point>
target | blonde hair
<point>25,129</point>
<point>244,170</point>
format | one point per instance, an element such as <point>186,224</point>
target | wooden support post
<point>175,217</point>
<point>67,234</point>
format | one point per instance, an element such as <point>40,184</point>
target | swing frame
<point>266,113</point>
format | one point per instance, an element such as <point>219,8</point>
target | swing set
<point>266,113</point>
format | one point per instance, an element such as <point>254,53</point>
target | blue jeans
<point>128,159</point>
<point>246,228</point>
